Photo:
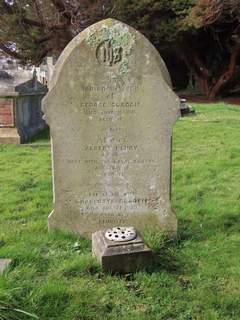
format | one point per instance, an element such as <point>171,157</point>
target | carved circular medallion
<point>121,234</point>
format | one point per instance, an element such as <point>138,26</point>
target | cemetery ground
<point>196,276</point>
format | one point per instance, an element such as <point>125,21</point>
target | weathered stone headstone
<point>20,107</point>
<point>111,111</point>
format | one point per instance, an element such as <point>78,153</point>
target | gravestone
<point>20,107</point>
<point>111,110</point>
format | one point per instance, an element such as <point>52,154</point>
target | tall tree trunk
<point>227,75</point>
<point>194,63</point>
<point>210,87</point>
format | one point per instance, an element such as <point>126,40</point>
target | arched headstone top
<point>111,110</point>
<point>112,44</point>
<point>103,31</point>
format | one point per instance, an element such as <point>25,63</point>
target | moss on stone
<point>119,36</point>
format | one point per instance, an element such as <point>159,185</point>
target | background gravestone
<point>111,110</point>
<point>20,107</point>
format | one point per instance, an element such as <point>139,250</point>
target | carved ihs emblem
<point>108,54</point>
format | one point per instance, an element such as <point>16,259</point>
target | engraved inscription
<point>107,54</point>
<point>103,202</point>
<point>111,112</point>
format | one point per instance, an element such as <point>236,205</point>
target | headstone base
<point>121,257</point>
<point>9,136</point>
<point>4,264</point>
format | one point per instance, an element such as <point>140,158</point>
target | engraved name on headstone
<point>111,110</point>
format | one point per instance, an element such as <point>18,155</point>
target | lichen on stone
<point>119,36</point>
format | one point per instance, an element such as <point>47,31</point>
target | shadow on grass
<point>170,258</point>
<point>208,227</point>
<point>167,255</point>
<point>170,254</point>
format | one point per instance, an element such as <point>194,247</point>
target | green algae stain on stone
<point>113,44</point>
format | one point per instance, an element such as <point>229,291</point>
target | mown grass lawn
<point>197,276</point>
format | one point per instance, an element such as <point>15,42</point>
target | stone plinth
<point>121,257</point>
<point>9,136</point>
